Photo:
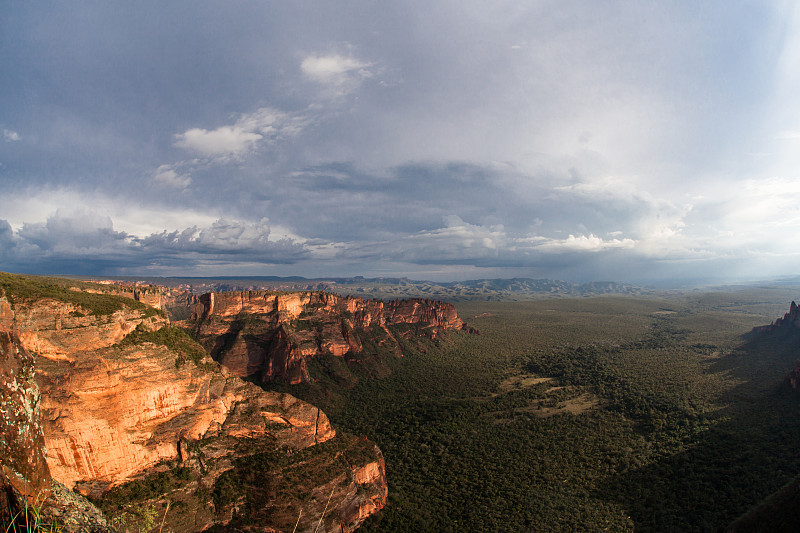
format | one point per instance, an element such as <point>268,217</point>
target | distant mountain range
<point>391,288</point>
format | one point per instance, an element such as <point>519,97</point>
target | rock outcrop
<point>274,335</point>
<point>790,319</point>
<point>24,475</point>
<point>25,480</point>
<point>129,401</point>
<point>110,415</point>
<point>789,324</point>
<point>58,330</point>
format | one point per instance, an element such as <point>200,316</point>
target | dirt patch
<point>575,406</point>
<point>547,405</point>
<point>522,381</point>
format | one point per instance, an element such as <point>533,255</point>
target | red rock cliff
<point>274,334</point>
<point>114,412</point>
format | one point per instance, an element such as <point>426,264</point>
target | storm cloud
<point>646,141</point>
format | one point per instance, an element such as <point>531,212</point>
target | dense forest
<point>608,413</point>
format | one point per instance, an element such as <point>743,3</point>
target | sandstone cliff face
<point>57,330</point>
<point>115,413</point>
<point>149,295</point>
<point>110,415</point>
<point>25,480</point>
<point>273,335</point>
<point>354,488</point>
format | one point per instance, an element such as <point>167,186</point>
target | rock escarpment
<point>778,512</point>
<point>275,335</point>
<point>786,326</point>
<point>111,415</point>
<point>25,480</point>
<point>133,411</point>
<point>789,320</point>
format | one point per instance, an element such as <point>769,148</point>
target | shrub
<point>173,338</point>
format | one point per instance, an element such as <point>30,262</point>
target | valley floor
<point>608,413</point>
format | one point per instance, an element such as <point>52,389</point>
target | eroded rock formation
<point>111,415</point>
<point>789,324</point>
<point>790,319</point>
<point>116,412</point>
<point>273,335</point>
<point>58,330</point>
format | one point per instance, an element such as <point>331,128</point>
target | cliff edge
<point>268,336</point>
<point>135,414</point>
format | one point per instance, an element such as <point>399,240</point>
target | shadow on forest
<point>749,453</point>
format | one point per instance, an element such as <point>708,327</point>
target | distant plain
<point>618,413</point>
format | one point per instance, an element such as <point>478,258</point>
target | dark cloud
<point>567,138</point>
<point>74,243</point>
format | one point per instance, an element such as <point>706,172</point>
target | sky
<point>647,141</point>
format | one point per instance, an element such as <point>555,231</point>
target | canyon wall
<point>125,397</point>
<point>274,335</point>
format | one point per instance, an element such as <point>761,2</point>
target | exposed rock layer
<point>58,330</point>
<point>113,413</point>
<point>273,335</point>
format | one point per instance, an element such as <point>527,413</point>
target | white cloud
<point>132,217</point>
<point>221,236</point>
<point>76,232</point>
<point>759,215</point>
<point>581,243</point>
<point>342,74</point>
<point>459,242</point>
<point>166,176</point>
<point>265,125</point>
<point>225,140</point>
<point>273,124</point>
<point>10,136</point>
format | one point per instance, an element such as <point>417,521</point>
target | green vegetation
<point>258,480</point>
<point>140,505</point>
<point>136,519</point>
<point>23,288</point>
<point>29,520</point>
<point>611,413</point>
<point>265,480</point>
<point>149,487</point>
<point>173,338</point>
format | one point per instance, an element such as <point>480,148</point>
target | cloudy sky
<point>579,140</point>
